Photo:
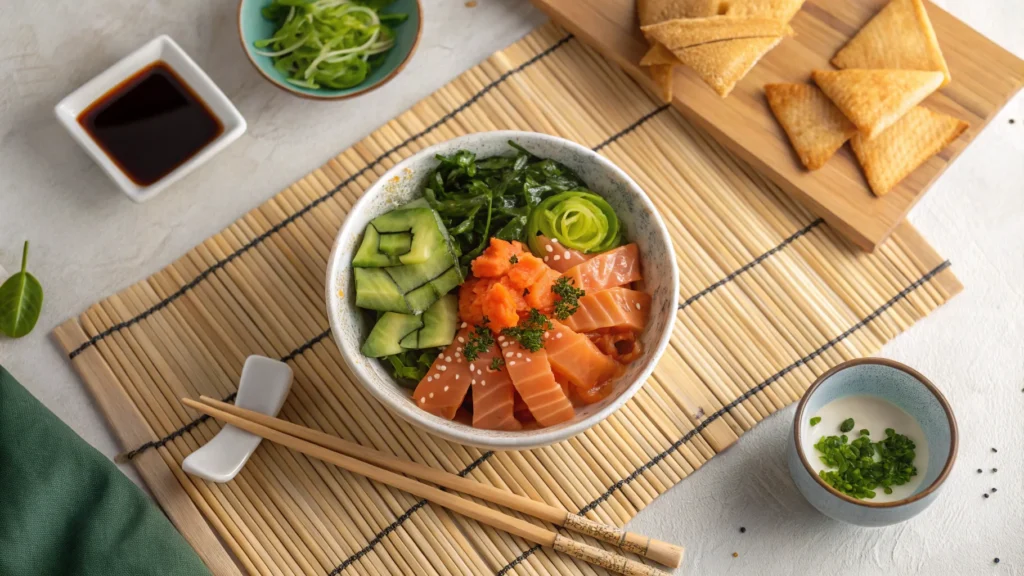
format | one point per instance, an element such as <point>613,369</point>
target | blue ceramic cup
<point>901,386</point>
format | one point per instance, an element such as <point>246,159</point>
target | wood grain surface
<point>985,77</point>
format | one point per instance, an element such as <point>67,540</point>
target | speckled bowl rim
<point>467,434</point>
<point>954,435</point>
<point>324,97</point>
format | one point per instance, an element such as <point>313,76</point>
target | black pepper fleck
<point>985,495</point>
<point>994,450</point>
<point>995,470</point>
<point>742,529</point>
<point>979,470</point>
<point>993,489</point>
<point>996,560</point>
<point>1011,120</point>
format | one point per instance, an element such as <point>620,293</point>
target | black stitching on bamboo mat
<point>751,264</point>
<point>632,127</point>
<point>302,211</point>
<point>721,412</point>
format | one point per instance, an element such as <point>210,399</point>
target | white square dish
<point>163,49</point>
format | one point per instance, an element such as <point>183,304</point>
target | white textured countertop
<point>88,241</point>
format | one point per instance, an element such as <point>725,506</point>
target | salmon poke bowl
<point>504,289</point>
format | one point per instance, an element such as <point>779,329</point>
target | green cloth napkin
<point>65,509</point>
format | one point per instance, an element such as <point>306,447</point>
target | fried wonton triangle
<point>875,99</point>
<point>722,64</point>
<point>658,54</point>
<point>815,127</point>
<point>900,36</point>
<point>654,11</point>
<point>682,33</point>
<point>662,76</point>
<point>781,9</point>
<point>895,153</point>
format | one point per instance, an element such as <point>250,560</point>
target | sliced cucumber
<point>395,244</point>
<point>369,254</point>
<point>415,275</point>
<point>420,202</point>
<point>375,290</point>
<point>426,228</point>
<point>440,322</point>
<point>388,332</point>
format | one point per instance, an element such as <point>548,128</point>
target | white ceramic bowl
<point>401,184</point>
<point>161,48</point>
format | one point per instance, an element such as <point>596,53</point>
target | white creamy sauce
<point>876,415</point>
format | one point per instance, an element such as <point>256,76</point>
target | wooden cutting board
<point>985,77</point>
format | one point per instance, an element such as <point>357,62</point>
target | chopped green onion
<point>855,469</point>
<point>847,425</point>
<point>815,420</point>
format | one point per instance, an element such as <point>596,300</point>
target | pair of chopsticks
<point>389,470</point>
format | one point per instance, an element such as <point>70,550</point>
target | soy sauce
<point>150,124</point>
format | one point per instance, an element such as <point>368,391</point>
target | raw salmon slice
<point>576,358</point>
<point>612,308</point>
<point>444,387</point>
<point>559,257</point>
<point>616,267</point>
<point>493,395</point>
<point>532,376</point>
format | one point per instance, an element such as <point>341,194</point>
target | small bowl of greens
<point>461,287</point>
<point>329,49</point>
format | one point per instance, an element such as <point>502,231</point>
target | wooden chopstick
<point>590,554</point>
<point>661,552</point>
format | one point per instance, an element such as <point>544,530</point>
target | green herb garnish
<point>411,366</point>
<point>530,332</point>
<point>526,292</point>
<point>513,260</point>
<point>478,199</point>
<point>815,420</point>
<point>847,425</point>
<point>865,432</point>
<point>479,341</point>
<point>328,43</point>
<point>569,297</point>
<point>21,301</point>
<point>857,472</point>
<point>496,362</point>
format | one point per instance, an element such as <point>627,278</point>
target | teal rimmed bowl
<point>252,26</point>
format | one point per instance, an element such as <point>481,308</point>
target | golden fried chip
<point>722,64</point>
<point>658,54</point>
<point>781,9</point>
<point>895,153</point>
<point>662,76</point>
<point>900,36</point>
<point>683,33</point>
<point>654,11</point>
<point>875,99</point>
<point>815,127</point>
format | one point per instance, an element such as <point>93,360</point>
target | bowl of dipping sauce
<point>151,118</point>
<point>873,440</point>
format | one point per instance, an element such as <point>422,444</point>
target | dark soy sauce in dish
<point>150,124</point>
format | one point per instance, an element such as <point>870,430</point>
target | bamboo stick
<point>596,556</point>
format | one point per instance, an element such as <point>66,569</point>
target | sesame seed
<point>519,354</point>
<point>472,368</point>
<point>483,383</point>
<point>549,248</point>
<point>637,305</point>
<point>459,361</point>
<point>431,379</point>
<point>446,388</point>
<point>547,334</point>
<point>566,255</point>
<point>504,344</point>
<point>511,362</point>
<point>423,400</point>
<point>557,258</point>
<point>546,258</point>
<point>559,335</point>
<point>442,368</point>
<point>447,358</point>
<point>554,240</point>
<point>464,324</point>
<point>473,381</point>
<point>441,355</point>
<point>528,359</point>
<point>508,354</point>
<point>457,354</point>
<point>461,341</point>
<point>501,338</point>
<point>456,377</point>
<point>458,348</point>
<point>431,394</point>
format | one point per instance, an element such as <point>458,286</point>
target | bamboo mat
<point>771,297</point>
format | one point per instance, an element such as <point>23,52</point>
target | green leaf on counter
<point>21,301</point>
